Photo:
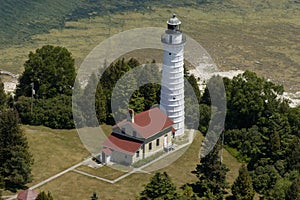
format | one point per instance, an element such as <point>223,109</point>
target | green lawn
<point>103,172</point>
<point>56,150</point>
<point>53,150</point>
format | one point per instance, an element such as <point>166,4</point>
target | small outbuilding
<point>27,195</point>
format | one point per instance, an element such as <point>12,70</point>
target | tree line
<point>44,97</point>
<point>44,92</point>
<point>261,131</point>
<point>265,132</point>
<point>16,159</point>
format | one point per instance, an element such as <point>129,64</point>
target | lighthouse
<point>172,91</point>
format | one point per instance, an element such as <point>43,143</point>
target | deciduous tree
<point>49,71</point>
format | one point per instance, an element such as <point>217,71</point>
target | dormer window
<point>134,133</point>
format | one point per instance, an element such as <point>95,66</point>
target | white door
<point>108,159</point>
<point>166,141</point>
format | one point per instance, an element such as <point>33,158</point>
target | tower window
<point>170,54</point>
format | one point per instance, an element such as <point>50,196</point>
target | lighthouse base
<point>179,132</point>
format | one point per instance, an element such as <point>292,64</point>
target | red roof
<point>27,195</point>
<point>121,143</point>
<point>107,151</point>
<point>149,122</point>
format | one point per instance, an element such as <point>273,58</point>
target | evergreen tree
<point>205,112</point>
<point>121,94</point>
<point>293,155</point>
<point>294,120</point>
<point>191,101</point>
<point>187,193</point>
<point>136,102</point>
<point>242,188</point>
<point>108,81</point>
<point>2,95</point>
<point>100,103</point>
<point>43,196</point>
<point>133,63</point>
<point>293,193</point>
<point>15,160</point>
<point>1,185</point>
<point>212,176</point>
<point>160,187</point>
<point>94,196</point>
<point>193,82</point>
<point>87,105</point>
<point>148,79</point>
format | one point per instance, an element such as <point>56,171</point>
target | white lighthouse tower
<point>172,91</point>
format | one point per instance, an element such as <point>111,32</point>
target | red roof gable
<point>27,195</point>
<point>121,143</point>
<point>149,122</point>
<point>107,151</point>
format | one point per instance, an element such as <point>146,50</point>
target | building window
<point>150,146</point>
<point>157,142</point>
<point>138,154</point>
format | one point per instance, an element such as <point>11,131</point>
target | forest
<point>261,130</point>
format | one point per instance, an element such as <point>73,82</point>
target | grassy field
<point>103,172</point>
<point>56,150</point>
<point>237,36</point>
<point>53,151</point>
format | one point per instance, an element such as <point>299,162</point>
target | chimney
<point>130,116</point>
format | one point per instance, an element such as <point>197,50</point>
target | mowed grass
<point>53,151</point>
<point>103,172</point>
<point>76,186</point>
